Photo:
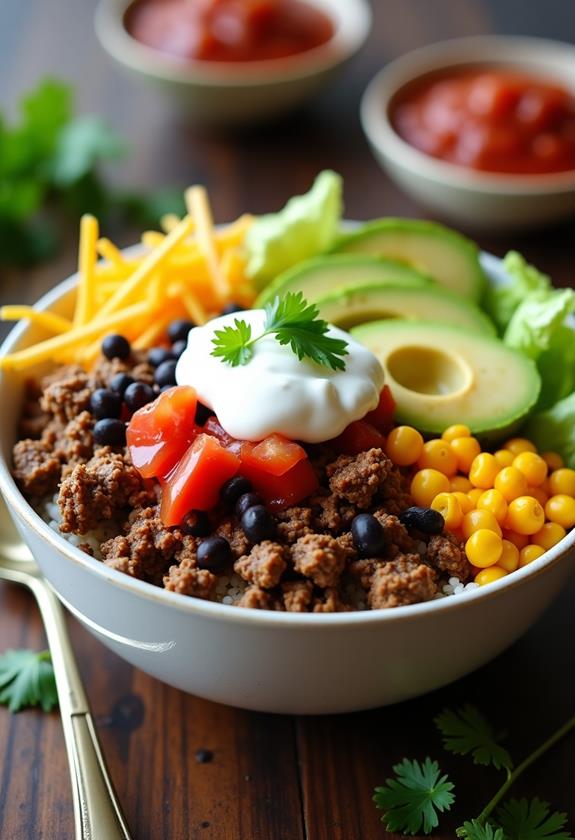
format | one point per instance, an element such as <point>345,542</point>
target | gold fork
<point>97,812</point>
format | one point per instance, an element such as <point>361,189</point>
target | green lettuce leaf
<point>525,280</point>
<point>306,226</point>
<point>554,429</point>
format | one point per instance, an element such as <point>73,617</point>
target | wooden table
<point>270,777</point>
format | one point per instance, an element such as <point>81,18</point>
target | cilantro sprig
<point>293,321</point>
<point>412,800</point>
<point>27,679</point>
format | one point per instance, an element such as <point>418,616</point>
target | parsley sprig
<point>27,679</point>
<point>293,321</point>
<point>412,800</point>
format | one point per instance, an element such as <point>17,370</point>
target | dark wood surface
<point>271,777</point>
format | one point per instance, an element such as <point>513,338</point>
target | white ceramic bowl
<point>271,661</point>
<point>476,200</point>
<point>235,93</point>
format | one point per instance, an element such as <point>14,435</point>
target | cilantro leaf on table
<point>465,731</point>
<point>293,321</point>
<point>475,830</point>
<point>411,800</point>
<point>27,679</point>
<point>521,819</point>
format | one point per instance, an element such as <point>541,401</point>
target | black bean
<point>178,330</point>
<point>202,414</point>
<point>246,501</point>
<point>213,553</point>
<point>158,355</point>
<point>231,490</point>
<point>166,373</point>
<point>197,524</point>
<point>178,348</point>
<point>231,307</point>
<point>115,346</point>
<point>104,403</point>
<point>120,382</point>
<point>110,432</point>
<point>423,519</point>
<point>204,757</point>
<point>368,535</point>
<point>258,524</point>
<point>137,395</point>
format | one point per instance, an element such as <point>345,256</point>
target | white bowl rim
<point>229,613</point>
<point>351,19</point>
<point>475,50</point>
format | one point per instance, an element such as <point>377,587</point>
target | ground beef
<point>75,444</point>
<point>358,478</point>
<point>397,538</point>
<point>257,599</point>
<point>231,530</point>
<point>293,523</point>
<point>319,557</point>
<point>97,491</point>
<point>35,467</point>
<point>65,398</point>
<point>394,493</point>
<point>263,566</point>
<point>364,569</point>
<point>199,583</point>
<point>297,595</point>
<point>404,580</point>
<point>446,554</point>
<point>329,601</point>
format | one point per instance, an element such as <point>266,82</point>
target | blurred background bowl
<point>236,93</point>
<point>477,200</point>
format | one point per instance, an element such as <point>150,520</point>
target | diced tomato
<point>195,482</point>
<point>357,437</point>
<point>382,417</point>
<point>159,433</point>
<point>274,454</point>
<point>281,492</point>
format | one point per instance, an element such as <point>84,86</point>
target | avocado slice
<point>354,305</point>
<point>321,275</point>
<point>440,375</point>
<point>450,258</point>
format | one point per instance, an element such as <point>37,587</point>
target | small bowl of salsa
<point>481,130</point>
<point>234,61</point>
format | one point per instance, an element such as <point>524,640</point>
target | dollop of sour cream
<point>275,391</point>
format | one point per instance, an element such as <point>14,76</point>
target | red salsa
<point>228,30</point>
<point>491,120</point>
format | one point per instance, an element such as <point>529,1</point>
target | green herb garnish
<point>411,801</point>
<point>27,679</point>
<point>293,321</point>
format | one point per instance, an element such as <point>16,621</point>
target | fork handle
<point>97,812</point>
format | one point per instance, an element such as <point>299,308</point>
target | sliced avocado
<point>321,275</point>
<point>450,258</point>
<point>440,375</point>
<point>354,305</point>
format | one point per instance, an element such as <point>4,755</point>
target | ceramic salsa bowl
<point>268,661</point>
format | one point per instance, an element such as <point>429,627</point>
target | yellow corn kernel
<point>525,515</point>
<point>438,455</point>
<point>475,495</point>
<point>460,484</point>
<point>517,445</point>
<point>465,449</point>
<point>529,554</point>
<point>448,506</point>
<point>489,575</point>
<point>553,460</point>
<point>484,548</point>
<point>509,559</point>
<point>426,485</point>
<point>562,481</point>
<point>404,445</point>
<point>504,457</point>
<point>561,509</point>
<point>458,430</point>
<point>483,471</point>
<point>549,535</point>
<point>511,483</point>
<point>532,466</point>
<point>465,502</point>
<point>493,500</point>
<point>477,520</point>
<point>518,540</point>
